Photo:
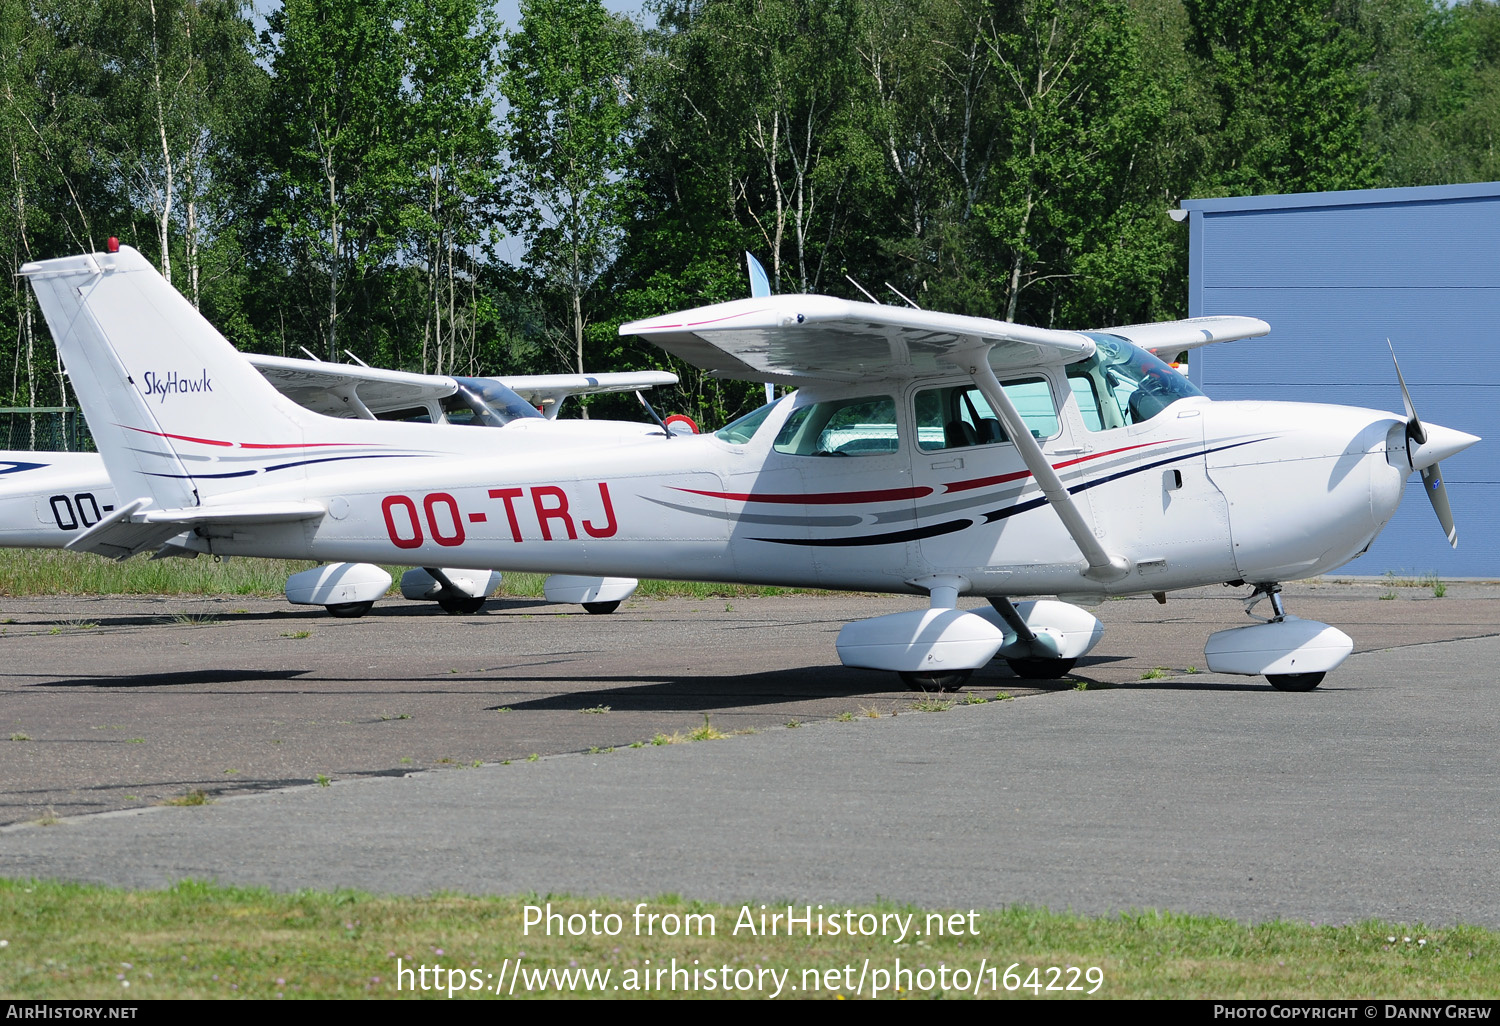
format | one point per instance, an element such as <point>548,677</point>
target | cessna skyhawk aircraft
<point>46,498</point>
<point>922,452</point>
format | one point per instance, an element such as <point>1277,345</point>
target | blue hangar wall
<point>1335,274</point>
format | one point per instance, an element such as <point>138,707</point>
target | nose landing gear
<point>1291,653</point>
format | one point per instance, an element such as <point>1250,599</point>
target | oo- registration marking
<point>444,522</point>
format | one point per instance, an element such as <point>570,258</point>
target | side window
<point>959,415</point>
<point>841,427</point>
<point>412,415</point>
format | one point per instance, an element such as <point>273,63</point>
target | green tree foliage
<point>341,183</point>
<point>454,151</point>
<point>1293,102</point>
<point>336,179</point>
<point>568,124</point>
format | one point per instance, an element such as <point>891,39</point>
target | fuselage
<point>886,490</point>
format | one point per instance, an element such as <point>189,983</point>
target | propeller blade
<point>1414,429</point>
<point>1437,494</point>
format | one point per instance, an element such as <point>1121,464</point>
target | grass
<point>59,572</point>
<point>193,797</point>
<point>1402,579</point>
<point>55,571</point>
<point>707,732</point>
<point>198,940</point>
<point>932,704</point>
<point>1156,673</point>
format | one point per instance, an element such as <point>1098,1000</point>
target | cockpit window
<point>1123,384</point>
<point>485,402</point>
<point>841,427</point>
<point>738,432</point>
<point>959,415</point>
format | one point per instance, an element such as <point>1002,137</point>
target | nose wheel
<point>1294,681</point>
<point>1280,681</point>
<point>1293,654</point>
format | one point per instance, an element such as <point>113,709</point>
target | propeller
<point>1432,444</point>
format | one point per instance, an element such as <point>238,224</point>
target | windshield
<point>485,402</point>
<point>742,430</point>
<point>1123,384</point>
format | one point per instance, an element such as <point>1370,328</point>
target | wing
<point>345,390</point>
<point>547,391</point>
<point>1167,338</point>
<point>818,338</point>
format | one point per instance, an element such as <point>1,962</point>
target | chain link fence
<point>44,429</point>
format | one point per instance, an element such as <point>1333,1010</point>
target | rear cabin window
<point>841,427</point>
<point>959,416</point>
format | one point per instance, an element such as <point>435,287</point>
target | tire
<point>601,608</point>
<point>1294,681</point>
<point>349,610</point>
<point>461,606</point>
<point>1041,669</point>
<point>936,682</point>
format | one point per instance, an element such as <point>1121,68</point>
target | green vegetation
<point>339,177</point>
<point>932,704</point>
<point>58,572</point>
<point>197,940</point>
<point>54,571</point>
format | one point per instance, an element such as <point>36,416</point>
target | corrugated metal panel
<point>1335,279</point>
<point>1393,246</point>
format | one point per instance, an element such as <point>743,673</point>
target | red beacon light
<point>112,245</point>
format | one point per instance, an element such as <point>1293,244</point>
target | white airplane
<point>47,498</point>
<point>922,452</point>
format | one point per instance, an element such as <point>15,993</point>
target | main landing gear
<point>1291,653</point>
<point>938,648</point>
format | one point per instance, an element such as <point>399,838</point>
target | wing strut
<point>975,362</point>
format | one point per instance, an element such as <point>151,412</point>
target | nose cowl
<point>1441,443</point>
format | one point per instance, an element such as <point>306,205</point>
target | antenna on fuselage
<point>310,355</point>
<point>660,423</point>
<point>358,361</point>
<point>903,295</point>
<point>863,289</point>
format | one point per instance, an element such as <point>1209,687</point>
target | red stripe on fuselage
<point>985,482</point>
<point>818,498</point>
<point>241,445</point>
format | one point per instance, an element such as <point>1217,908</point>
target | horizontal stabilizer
<point>118,536</point>
<point>239,513</point>
<point>132,528</point>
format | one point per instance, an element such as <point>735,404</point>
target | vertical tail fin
<point>167,397</point>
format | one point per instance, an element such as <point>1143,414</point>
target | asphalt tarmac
<point>1373,796</point>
